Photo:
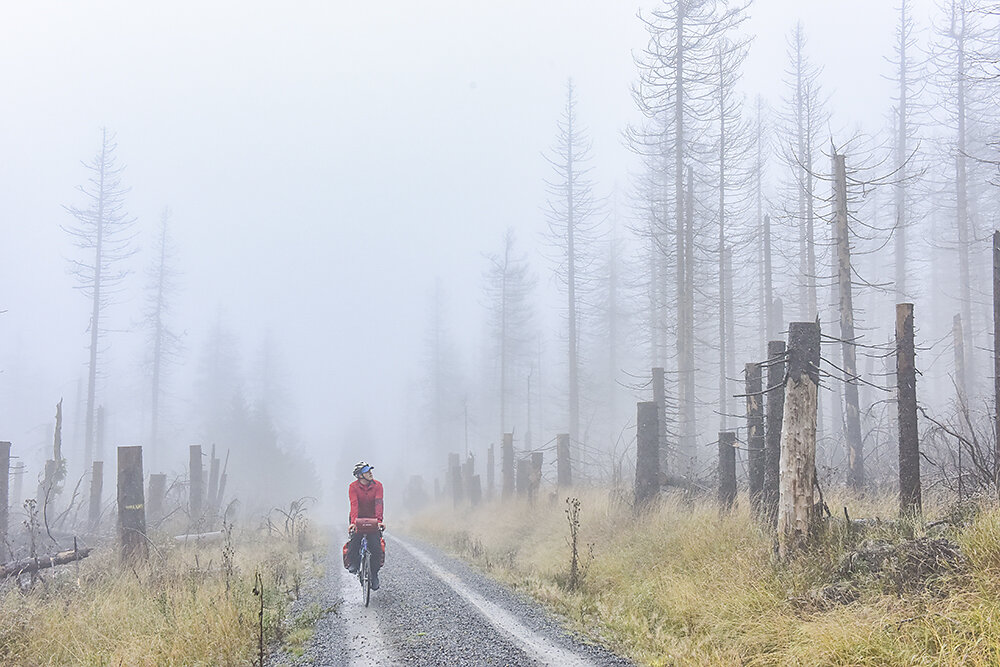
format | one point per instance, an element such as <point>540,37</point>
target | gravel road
<point>434,610</point>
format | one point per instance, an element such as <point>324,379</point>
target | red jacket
<point>366,500</point>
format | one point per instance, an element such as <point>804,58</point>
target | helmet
<point>362,467</point>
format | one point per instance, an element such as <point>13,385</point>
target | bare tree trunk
<point>772,433</point>
<point>958,340</point>
<point>4,491</point>
<point>131,505</point>
<point>996,359</point>
<point>900,185</point>
<point>689,427</point>
<point>755,436</point>
<point>855,451</point>
<point>797,504</point>
<point>564,468</point>
<point>909,446</point>
<point>96,489</point>
<point>773,322</point>
<point>507,466</point>
<point>196,479</point>
<point>727,469</point>
<point>659,397</point>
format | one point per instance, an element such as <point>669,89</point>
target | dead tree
<point>96,489</point>
<point>131,505</point>
<point>196,477</point>
<point>909,446</point>
<point>103,232</point>
<point>727,469</point>
<point>755,436</point>
<point>996,360</point>
<point>797,502</point>
<point>4,492</point>
<point>855,444</point>
<point>564,467</point>
<point>775,393</point>
<point>507,465</point>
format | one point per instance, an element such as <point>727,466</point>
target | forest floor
<point>187,604</point>
<point>683,584</point>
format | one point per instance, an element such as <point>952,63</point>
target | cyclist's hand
<point>351,529</point>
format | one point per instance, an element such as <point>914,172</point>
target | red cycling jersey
<point>366,500</point>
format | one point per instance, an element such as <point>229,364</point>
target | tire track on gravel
<point>534,645</point>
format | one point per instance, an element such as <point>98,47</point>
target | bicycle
<point>366,526</point>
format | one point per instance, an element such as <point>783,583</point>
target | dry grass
<point>177,609</point>
<point>682,585</point>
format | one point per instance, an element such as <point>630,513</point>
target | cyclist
<point>365,493</point>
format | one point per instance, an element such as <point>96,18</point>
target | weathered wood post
<point>727,469</point>
<point>647,453</point>
<point>660,398</point>
<point>507,465</point>
<point>523,471</point>
<point>96,489</point>
<point>772,433</point>
<point>490,466</point>
<point>909,446</point>
<point>131,504</point>
<point>535,474</point>
<point>755,436</point>
<point>564,468</point>
<point>4,490</point>
<point>796,501</point>
<point>157,494</point>
<point>196,491</point>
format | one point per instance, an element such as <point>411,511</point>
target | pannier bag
<point>347,560</point>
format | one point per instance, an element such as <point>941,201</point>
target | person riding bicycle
<point>365,493</point>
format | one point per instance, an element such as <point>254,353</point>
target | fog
<point>334,170</point>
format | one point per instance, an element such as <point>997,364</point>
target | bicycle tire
<point>366,584</point>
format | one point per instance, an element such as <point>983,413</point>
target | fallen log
<point>200,537</point>
<point>29,565</point>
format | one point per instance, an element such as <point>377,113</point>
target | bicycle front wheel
<point>366,580</point>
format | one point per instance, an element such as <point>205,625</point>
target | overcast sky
<point>325,162</point>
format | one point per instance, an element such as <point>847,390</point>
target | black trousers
<point>374,546</point>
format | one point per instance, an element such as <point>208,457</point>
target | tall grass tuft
<point>188,605</point>
<point>683,585</point>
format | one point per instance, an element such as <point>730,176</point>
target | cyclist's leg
<point>375,546</point>
<point>353,552</point>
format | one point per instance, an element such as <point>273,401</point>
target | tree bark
<point>29,565</point>
<point>909,446</point>
<point>131,505</point>
<point>755,436</point>
<point>507,465</point>
<point>647,459</point>
<point>727,469</point>
<point>855,444</point>
<point>796,503</point>
<point>772,433</point>
<point>564,467</point>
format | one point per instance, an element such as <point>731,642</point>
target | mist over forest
<point>335,231</point>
